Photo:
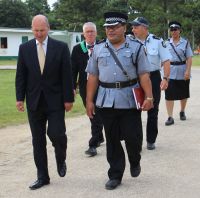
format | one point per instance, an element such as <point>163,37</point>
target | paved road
<point>170,171</point>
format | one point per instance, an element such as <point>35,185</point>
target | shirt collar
<point>44,42</point>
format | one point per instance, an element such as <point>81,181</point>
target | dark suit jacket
<point>79,63</point>
<point>56,80</point>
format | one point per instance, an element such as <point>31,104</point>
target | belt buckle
<point>118,85</point>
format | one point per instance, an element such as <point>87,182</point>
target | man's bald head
<point>40,27</point>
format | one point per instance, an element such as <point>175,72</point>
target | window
<point>24,39</point>
<point>3,42</point>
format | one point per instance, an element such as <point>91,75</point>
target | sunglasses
<point>173,29</point>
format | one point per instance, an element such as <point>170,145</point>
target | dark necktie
<point>90,46</point>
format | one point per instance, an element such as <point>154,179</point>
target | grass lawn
<point>8,114</point>
<point>195,60</point>
<point>8,62</point>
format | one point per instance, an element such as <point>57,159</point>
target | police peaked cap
<point>114,18</point>
<point>174,24</point>
<point>140,21</point>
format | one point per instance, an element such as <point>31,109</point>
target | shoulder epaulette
<point>101,41</point>
<point>155,37</point>
<point>132,38</point>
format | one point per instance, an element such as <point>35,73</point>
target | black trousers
<point>152,114</point>
<point>120,123</point>
<point>56,132</point>
<point>96,124</point>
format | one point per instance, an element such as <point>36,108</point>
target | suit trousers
<point>96,124</point>
<point>56,132</point>
<point>152,114</point>
<point>124,123</point>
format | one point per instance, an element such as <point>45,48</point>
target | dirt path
<point>171,171</point>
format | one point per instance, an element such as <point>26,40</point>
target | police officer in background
<point>115,100</point>
<point>158,55</point>
<point>180,71</point>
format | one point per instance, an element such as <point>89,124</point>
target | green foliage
<point>14,14</point>
<point>36,7</point>
<point>9,114</point>
<point>73,14</point>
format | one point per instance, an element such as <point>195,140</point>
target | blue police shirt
<point>102,64</point>
<point>184,50</point>
<point>157,51</point>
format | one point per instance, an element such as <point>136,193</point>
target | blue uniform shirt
<point>184,50</point>
<point>102,64</point>
<point>157,51</point>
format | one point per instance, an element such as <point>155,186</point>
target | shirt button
<point>114,73</point>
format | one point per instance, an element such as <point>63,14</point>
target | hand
<point>20,106</point>
<point>90,109</point>
<point>187,75</point>
<point>163,84</point>
<point>147,105</point>
<point>68,106</point>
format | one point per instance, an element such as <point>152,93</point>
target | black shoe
<point>112,184</point>
<point>151,146</point>
<point>169,121</point>
<point>92,151</point>
<point>182,115</point>
<point>100,142</point>
<point>135,171</point>
<point>38,184</point>
<point>61,168</point>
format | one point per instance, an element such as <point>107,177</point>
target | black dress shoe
<point>182,115</point>
<point>169,121</point>
<point>112,184</point>
<point>151,146</point>
<point>92,151</point>
<point>61,168</point>
<point>135,171</point>
<point>38,184</point>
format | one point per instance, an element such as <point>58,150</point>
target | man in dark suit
<point>44,79</point>
<point>79,57</point>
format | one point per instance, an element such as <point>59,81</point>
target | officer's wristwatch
<point>165,78</point>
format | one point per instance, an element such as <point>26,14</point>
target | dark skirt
<point>177,90</point>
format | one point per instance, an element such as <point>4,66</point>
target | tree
<point>72,14</point>
<point>38,7</point>
<point>14,13</point>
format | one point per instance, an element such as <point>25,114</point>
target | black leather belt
<point>178,63</point>
<point>155,72</point>
<point>118,85</point>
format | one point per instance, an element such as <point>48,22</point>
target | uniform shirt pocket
<point>103,59</point>
<point>153,56</point>
<point>126,59</point>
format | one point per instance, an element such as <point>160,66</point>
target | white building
<point>11,38</point>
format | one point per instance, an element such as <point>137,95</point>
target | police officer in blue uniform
<point>180,71</point>
<point>158,55</point>
<point>115,101</point>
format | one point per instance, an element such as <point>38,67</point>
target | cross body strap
<point>118,62</point>
<point>176,52</point>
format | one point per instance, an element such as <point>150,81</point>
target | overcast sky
<point>51,2</point>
